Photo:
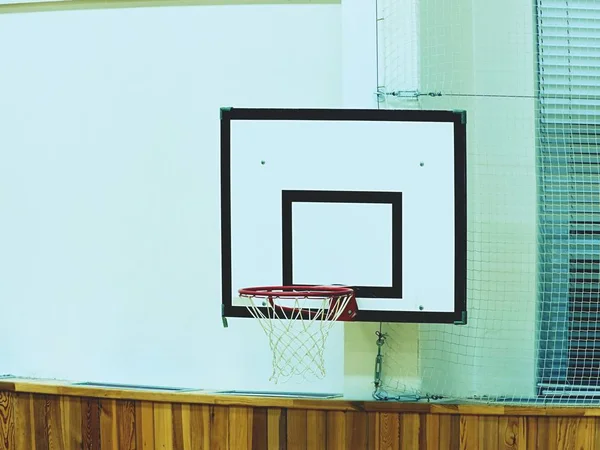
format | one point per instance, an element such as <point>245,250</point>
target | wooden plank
<point>410,431</point>
<point>189,397</point>
<point>596,440</point>
<point>316,423</point>
<point>551,434</point>
<point>566,432</point>
<point>90,423</point>
<point>24,432</point>
<point>508,432</point>
<point>531,431</point>
<point>449,432</point>
<point>469,432</point>
<point>488,433</point>
<point>259,434</point>
<point>585,434</point>
<point>219,428</point>
<point>109,439</point>
<point>182,430</point>
<point>239,429</point>
<point>543,434</point>
<point>373,439</point>
<point>144,426</point>
<point>7,420</point>
<point>24,386</point>
<point>39,422</point>
<point>163,426</point>
<point>296,429</point>
<point>430,432</point>
<point>277,429</point>
<point>389,431</point>
<point>357,429</point>
<point>200,417</point>
<point>71,413</point>
<point>336,426</point>
<point>54,423</point>
<point>126,425</point>
<point>455,432</point>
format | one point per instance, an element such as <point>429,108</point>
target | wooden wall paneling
<point>200,419</point>
<point>7,420</point>
<point>182,429</point>
<point>430,432</point>
<point>410,431</point>
<point>531,424</point>
<point>144,425</point>
<point>316,423</point>
<point>585,436</point>
<point>357,430</point>
<point>219,428</point>
<point>163,426</point>
<point>336,437</point>
<point>126,425</point>
<point>90,423</point>
<point>488,433</point>
<point>70,410</point>
<point>24,427</point>
<point>109,438</point>
<point>449,432</point>
<point>469,432</point>
<point>41,439</point>
<point>551,434</point>
<point>55,428</point>
<point>240,428</point>
<point>543,432</point>
<point>374,438</point>
<point>277,428</point>
<point>297,430</point>
<point>596,440</point>
<point>511,433</point>
<point>45,421</point>
<point>259,432</point>
<point>389,431</point>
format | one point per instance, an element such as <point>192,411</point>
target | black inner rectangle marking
<point>394,199</point>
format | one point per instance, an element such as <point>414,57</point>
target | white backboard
<point>375,200</point>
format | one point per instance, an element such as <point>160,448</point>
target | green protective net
<point>528,74</point>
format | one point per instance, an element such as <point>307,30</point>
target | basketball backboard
<point>371,199</point>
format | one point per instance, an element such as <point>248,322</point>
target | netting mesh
<point>297,329</point>
<point>528,75</point>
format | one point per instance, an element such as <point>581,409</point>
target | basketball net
<point>297,324</point>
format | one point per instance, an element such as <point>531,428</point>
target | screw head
<point>263,162</point>
<point>421,164</point>
<point>421,307</point>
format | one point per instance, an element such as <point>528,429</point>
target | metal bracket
<point>463,319</point>
<point>224,109</point>
<point>225,324</point>
<point>463,115</point>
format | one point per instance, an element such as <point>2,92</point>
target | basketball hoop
<point>297,321</point>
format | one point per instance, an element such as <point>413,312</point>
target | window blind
<point>568,42</point>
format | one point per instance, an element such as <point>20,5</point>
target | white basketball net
<point>297,341</point>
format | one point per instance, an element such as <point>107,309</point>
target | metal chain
<point>379,393</point>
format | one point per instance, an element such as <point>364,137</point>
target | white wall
<point>109,185</point>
